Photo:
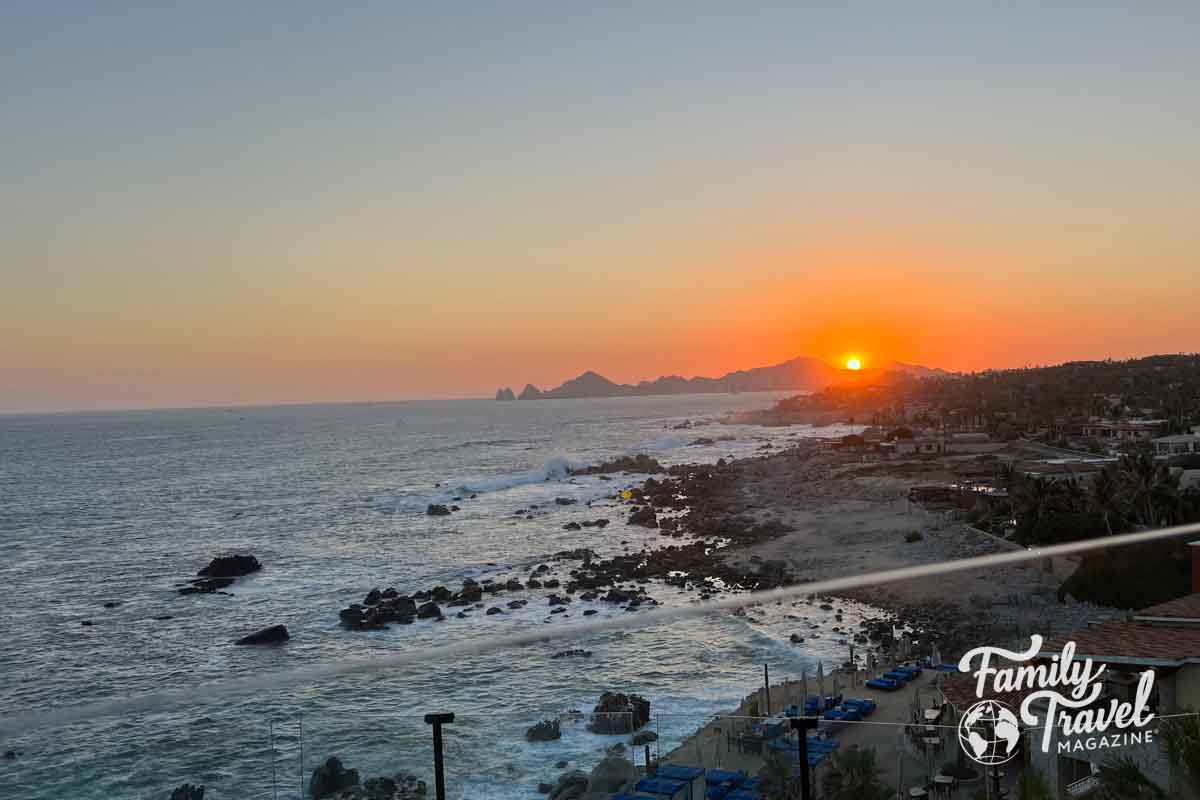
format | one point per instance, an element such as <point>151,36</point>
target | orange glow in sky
<point>853,364</point>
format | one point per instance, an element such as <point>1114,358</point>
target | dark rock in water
<point>796,638</point>
<point>533,583</point>
<point>619,713</point>
<point>163,618</point>
<point>232,566</point>
<point>553,583</point>
<point>545,788</point>
<point>440,594</point>
<point>11,754</point>
<point>639,463</point>
<point>494,610</point>
<point>380,788</point>
<point>390,593</point>
<point>572,526</point>
<point>517,603</point>
<point>644,517</point>
<point>461,615</point>
<point>545,731</point>
<point>530,392</point>
<point>373,597</point>
<point>271,635</point>
<point>505,394</point>
<point>565,501</point>
<point>111,604</point>
<point>187,791</point>
<point>207,585</point>
<point>428,610</point>
<point>645,737</point>
<point>590,612</point>
<point>599,523</point>
<point>331,777</point>
<point>514,585</point>
<point>561,764</point>
<point>572,654</point>
<point>542,568</point>
<point>87,623</point>
<point>437,510</point>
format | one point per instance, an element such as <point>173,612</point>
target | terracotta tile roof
<point>1131,640</point>
<point>959,690</point>
<point>1187,607</point>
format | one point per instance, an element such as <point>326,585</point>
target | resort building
<point>1181,444</point>
<point>1075,472</point>
<point>1130,430</point>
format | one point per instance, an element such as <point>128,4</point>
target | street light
<point>439,773</point>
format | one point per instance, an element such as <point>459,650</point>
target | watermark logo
<point>989,733</point>
<point>1061,694</point>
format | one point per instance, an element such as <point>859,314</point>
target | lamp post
<point>802,725</point>
<point>439,772</point>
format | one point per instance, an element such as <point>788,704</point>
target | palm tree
<point>1033,786</point>
<point>1104,495</point>
<point>1181,735</point>
<point>1123,779</point>
<point>854,775</point>
<point>1151,488</point>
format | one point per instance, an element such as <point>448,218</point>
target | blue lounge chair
<point>679,772</point>
<point>716,777</point>
<point>864,706</point>
<point>743,794</point>
<point>907,670</point>
<point>899,677</point>
<point>661,786</point>
<point>885,684</point>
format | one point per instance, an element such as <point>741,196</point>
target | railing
<point>1083,786</point>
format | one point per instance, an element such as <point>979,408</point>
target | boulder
<point>545,788</point>
<point>570,785</point>
<point>232,566</point>
<point>619,713</point>
<point>437,510</point>
<point>331,777</point>
<point>577,653</point>
<point>545,731</point>
<point>383,788</point>
<point>572,526</point>
<point>271,635</point>
<point>565,501</point>
<point>187,791</point>
<point>644,737</point>
<point>613,774</point>
<point>494,610</point>
<point>428,611</point>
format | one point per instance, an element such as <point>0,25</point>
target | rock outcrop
<point>505,394</point>
<point>619,713</point>
<point>231,566</point>
<point>187,791</point>
<point>331,777</point>
<point>545,731</point>
<point>272,635</point>
<point>530,392</point>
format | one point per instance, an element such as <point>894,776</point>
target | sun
<point>853,363</point>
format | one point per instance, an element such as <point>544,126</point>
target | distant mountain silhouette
<point>798,373</point>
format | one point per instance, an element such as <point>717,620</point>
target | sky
<point>254,203</point>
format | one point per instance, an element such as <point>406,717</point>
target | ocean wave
<point>557,468</point>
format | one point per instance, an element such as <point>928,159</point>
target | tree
<point>1033,786</point>
<point>777,779</point>
<point>1104,495</point>
<point>1123,779</point>
<point>854,775</point>
<point>1181,735</point>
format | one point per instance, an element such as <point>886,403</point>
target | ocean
<point>121,508</point>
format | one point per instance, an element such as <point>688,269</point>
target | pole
<point>766,690</point>
<point>439,773</point>
<point>802,725</point>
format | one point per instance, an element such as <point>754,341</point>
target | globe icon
<point>989,732</point>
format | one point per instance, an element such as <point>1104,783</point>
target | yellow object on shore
<point>626,494</point>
